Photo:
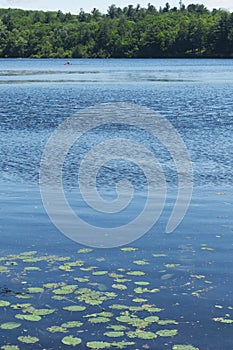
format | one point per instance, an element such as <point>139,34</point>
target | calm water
<point>193,273</point>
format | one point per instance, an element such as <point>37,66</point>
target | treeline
<point>191,31</point>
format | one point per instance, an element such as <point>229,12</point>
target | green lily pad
<point>72,324</point>
<point>23,296</point>
<point>56,329</point>
<point>125,319</point>
<point>73,341</point>
<point>139,300</point>
<point>140,262</point>
<point>4,303</point>
<point>99,319</point>
<point>74,308</point>
<point>53,285</point>
<point>99,273</point>
<point>20,306</point>
<point>4,269</point>
<point>85,250</point>
<point>117,327</point>
<point>172,265</point>
<point>122,344</point>
<point>33,318</point>
<point>10,347</point>
<point>98,344</point>
<point>35,290</point>
<point>222,320</point>
<point>142,334</point>
<point>142,283</point>
<point>151,319</point>
<point>114,334</point>
<point>165,322</point>
<point>28,339</point>
<point>158,255</point>
<point>118,307</point>
<point>167,332</point>
<point>119,286</point>
<point>136,273</point>
<point>128,249</point>
<point>69,289</point>
<point>81,279</point>
<point>184,347</point>
<point>32,268</point>
<point>152,309</point>
<point>10,325</point>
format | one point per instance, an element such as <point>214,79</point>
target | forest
<point>129,32</point>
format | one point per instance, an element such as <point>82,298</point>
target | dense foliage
<point>191,31</point>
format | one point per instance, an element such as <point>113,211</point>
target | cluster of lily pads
<point>86,306</point>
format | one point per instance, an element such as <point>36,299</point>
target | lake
<point>159,291</point>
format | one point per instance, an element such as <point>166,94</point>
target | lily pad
<point>35,290</point>
<point>10,347</point>
<point>10,325</point>
<point>32,268</point>
<point>139,300</point>
<point>33,318</point>
<point>99,319</point>
<point>28,339</point>
<point>117,327</point>
<point>119,286</point>
<point>81,279</point>
<point>98,344</point>
<point>85,250</point>
<point>74,308</point>
<point>184,347</point>
<point>140,262</point>
<point>165,322</point>
<point>56,329</point>
<point>4,303</point>
<point>151,319</point>
<point>136,273</point>
<point>167,332</point>
<point>69,289</point>
<point>20,306</point>
<point>99,273</point>
<point>122,344</point>
<point>73,341</point>
<point>128,249</point>
<point>72,324</point>
<point>142,283</point>
<point>118,307</point>
<point>142,334</point>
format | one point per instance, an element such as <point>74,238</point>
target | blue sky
<point>74,6</point>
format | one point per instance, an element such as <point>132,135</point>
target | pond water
<point>183,281</point>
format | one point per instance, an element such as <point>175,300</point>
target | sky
<point>74,6</point>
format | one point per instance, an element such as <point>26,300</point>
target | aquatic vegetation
<point>33,318</point>
<point>74,308</point>
<point>128,249</point>
<point>57,329</point>
<point>184,347</point>
<point>4,303</point>
<point>10,325</point>
<point>118,304</point>
<point>71,324</point>
<point>70,340</point>
<point>167,332</point>
<point>28,339</point>
<point>98,345</point>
